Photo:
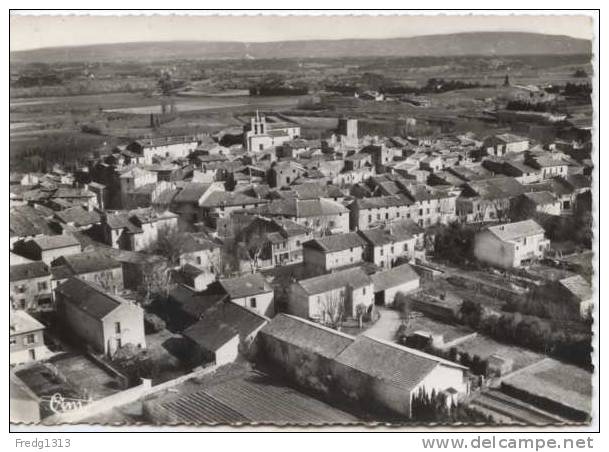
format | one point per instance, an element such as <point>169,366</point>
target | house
<point>137,229</point>
<point>328,253</point>
<point>320,215</point>
<point>388,283</point>
<point>223,331</point>
<point>499,145</point>
<point>529,204</point>
<point>284,173</point>
<point>26,339</point>
<point>382,375</point>
<point>549,165</point>
<point>252,292</point>
<point>163,147</point>
<point>49,247</point>
<point>30,286</point>
<point>280,239</point>
<point>387,376</point>
<point>432,205</point>
<point>385,246</point>
<point>366,213</point>
<point>186,199</point>
<point>302,350</point>
<point>132,180</point>
<point>91,266</point>
<point>221,204</point>
<point>512,244</point>
<point>522,172</point>
<point>193,276</point>
<point>104,322</point>
<point>487,199</point>
<point>26,222</point>
<point>318,297</point>
<point>78,217</point>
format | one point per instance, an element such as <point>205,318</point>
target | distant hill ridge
<point>460,44</point>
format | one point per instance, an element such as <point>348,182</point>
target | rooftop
<point>89,298</point>
<point>28,270</point>
<point>335,243</point>
<point>307,335</point>
<point>516,231</point>
<point>393,277</point>
<point>21,322</point>
<point>352,277</point>
<point>245,286</point>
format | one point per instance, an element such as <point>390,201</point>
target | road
<point>386,326</point>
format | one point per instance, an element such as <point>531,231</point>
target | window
<point>119,343</point>
<point>117,327</point>
<point>12,341</point>
<point>420,212</point>
<point>405,246</point>
<point>42,285</point>
<point>382,251</point>
<point>20,289</point>
<point>252,302</point>
<point>297,242</point>
<point>29,339</point>
<point>369,218</point>
<point>364,290</point>
<point>524,240</point>
<point>198,260</point>
<point>386,216</point>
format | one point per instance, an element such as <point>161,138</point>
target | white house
<point>512,244</point>
<point>313,298</point>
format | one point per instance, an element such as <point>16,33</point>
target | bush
<point>154,323</point>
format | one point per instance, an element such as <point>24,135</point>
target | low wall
<point>100,406</point>
<point>123,398</point>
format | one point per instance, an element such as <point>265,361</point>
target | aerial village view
<point>303,232</point>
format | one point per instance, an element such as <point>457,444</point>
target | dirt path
<point>386,326</point>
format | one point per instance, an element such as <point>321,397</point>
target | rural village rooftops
<point>224,198</point>
<point>245,286</point>
<point>307,335</point>
<point>393,277</point>
<point>516,231</point>
<point>352,277</point>
<point>335,243</point>
<point>90,298</point>
<point>29,270</point>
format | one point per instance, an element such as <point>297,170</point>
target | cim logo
<point>60,404</point>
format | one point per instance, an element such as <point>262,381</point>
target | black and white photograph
<point>303,220</point>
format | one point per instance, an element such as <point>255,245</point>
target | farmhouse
<point>26,338</point>
<point>30,286</point>
<point>252,292</point>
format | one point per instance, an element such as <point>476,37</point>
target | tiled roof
<point>578,286</point>
<point>28,270</point>
<point>79,216</point>
<point>352,277</point>
<point>338,242</point>
<point>382,201</point>
<point>191,192</point>
<point>245,286</point>
<point>400,366</point>
<point>307,335</point>
<point>51,242</point>
<point>89,297</point>
<point>515,231</point>
<point>393,277</point>
<point>21,322</point>
<point>88,262</point>
<point>541,197</point>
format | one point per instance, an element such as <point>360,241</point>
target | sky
<point>38,31</point>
